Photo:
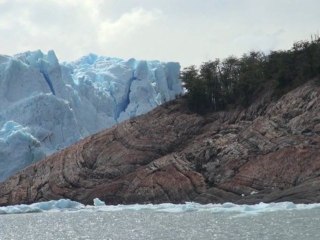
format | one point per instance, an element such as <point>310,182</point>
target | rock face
<point>268,152</point>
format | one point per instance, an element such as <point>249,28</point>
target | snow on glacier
<point>55,104</point>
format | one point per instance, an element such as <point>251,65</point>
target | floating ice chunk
<point>97,202</point>
<point>68,205</point>
<point>59,205</point>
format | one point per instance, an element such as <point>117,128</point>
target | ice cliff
<point>46,105</point>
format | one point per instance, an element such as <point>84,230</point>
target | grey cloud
<point>189,31</point>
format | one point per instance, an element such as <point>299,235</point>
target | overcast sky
<point>187,31</point>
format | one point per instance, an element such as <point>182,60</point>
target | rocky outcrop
<point>268,152</point>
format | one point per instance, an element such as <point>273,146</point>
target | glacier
<point>46,105</point>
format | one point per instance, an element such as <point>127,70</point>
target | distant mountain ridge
<point>46,105</point>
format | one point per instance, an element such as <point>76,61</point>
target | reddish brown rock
<point>268,152</point>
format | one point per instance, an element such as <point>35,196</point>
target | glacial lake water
<point>284,221</point>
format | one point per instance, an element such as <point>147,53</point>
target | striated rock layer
<point>269,152</point>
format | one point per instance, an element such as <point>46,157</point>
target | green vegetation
<point>219,85</point>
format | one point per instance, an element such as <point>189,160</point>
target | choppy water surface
<point>286,221</point>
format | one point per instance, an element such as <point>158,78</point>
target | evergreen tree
<point>197,91</point>
<point>218,84</point>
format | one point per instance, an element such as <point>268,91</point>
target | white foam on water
<point>68,205</point>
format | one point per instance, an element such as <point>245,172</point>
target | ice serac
<point>58,104</point>
<point>268,152</point>
<point>121,89</point>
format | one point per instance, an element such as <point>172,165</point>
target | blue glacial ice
<point>52,105</point>
<point>18,144</point>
